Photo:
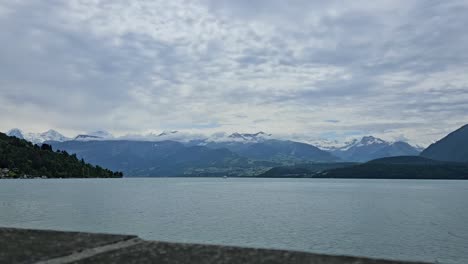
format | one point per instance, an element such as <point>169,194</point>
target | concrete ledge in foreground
<point>53,247</point>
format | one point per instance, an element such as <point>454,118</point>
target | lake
<point>399,219</point>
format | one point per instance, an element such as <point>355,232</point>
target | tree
<point>22,157</point>
<point>46,147</point>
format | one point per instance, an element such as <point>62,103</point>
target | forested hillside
<point>19,157</point>
<point>404,167</point>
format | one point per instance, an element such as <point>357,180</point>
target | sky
<point>305,68</point>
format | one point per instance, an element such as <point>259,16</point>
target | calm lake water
<point>400,219</point>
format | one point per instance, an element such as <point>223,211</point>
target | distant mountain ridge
<point>174,153</point>
<point>453,147</point>
<point>257,146</point>
<point>97,135</point>
<point>172,158</point>
<point>38,138</point>
<point>403,167</point>
<point>256,137</point>
<point>328,145</point>
<point>163,158</point>
<point>274,150</point>
<point>369,148</point>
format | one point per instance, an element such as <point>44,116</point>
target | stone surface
<point>30,246</point>
<point>175,253</point>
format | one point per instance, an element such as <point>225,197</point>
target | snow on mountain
<point>201,139</point>
<point>330,145</point>
<point>349,144</point>
<point>50,135</point>
<point>38,138</point>
<point>335,145</point>
<point>15,132</point>
<point>95,135</point>
<point>259,136</point>
<point>165,135</point>
<point>370,147</point>
<point>240,137</point>
<point>370,140</point>
<point>363,149</point>
<point>179,136</point>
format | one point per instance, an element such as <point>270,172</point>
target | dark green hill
<point>453,147</point>
<point>404,167</point>
<point>414,160</point>
<point>302,170</point>
<point>21,158</point>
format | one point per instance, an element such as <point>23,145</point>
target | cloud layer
<point>395,69</point>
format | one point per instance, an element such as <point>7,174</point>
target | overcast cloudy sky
<point>333,69</point>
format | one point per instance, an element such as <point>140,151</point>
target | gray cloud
<point>391,68</point>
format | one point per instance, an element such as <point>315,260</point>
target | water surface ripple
<point>398,219</point>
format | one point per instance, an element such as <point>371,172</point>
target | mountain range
<point>369,148</point>
<point>445,159</point>
<point>38,138</point>
<point>163,158</point>
<point>174,153</point>
<point>360,150</point>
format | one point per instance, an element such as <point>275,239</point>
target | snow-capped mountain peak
<point>51,135</point>
<point>370,140</point>
<point>15,132</point>
<point>256,137</point>
<point>334,145</point>
<point>38,138</point>
<point>369,147</point>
